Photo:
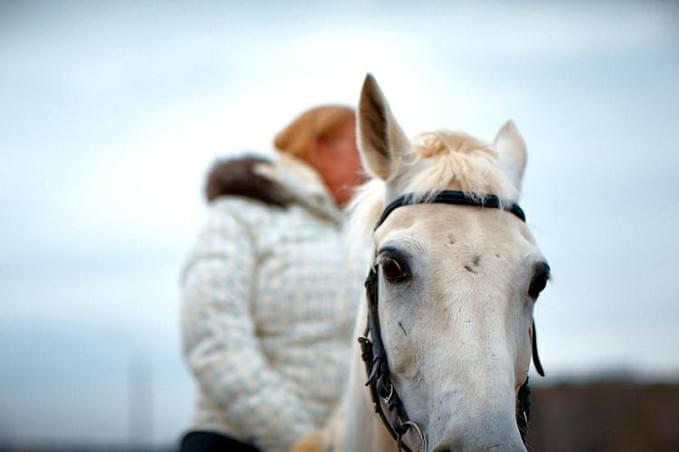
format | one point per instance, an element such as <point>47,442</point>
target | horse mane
<point>452,160</point>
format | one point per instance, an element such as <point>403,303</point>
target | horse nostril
<point>448,446</point>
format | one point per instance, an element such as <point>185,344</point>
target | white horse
<point>452,293</point>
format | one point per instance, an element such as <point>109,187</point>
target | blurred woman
<point>269,292</point>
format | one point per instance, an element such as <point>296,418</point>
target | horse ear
<point>512,151</point>
<point>381,140</point>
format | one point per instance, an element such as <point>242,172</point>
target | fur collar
<point>280,183</point>
<point>239,177</point>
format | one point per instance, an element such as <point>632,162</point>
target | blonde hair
<point>458,162</point>
<point>319,122</point>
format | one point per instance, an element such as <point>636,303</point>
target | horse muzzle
<point>492,433</point>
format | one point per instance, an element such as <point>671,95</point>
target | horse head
<point>456,283</point>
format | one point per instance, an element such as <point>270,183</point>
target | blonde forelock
<point>449,161</point>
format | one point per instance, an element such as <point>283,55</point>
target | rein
<point>382,390</point>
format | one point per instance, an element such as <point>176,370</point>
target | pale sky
<point>111,112</point>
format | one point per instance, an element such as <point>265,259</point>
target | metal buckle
<point>387,399</point>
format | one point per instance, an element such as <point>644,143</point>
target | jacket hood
<point>279,183</point>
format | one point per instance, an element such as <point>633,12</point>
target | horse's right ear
<point>381,140</point>
<point>512,152</point>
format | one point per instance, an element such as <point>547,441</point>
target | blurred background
<point>111,112</point>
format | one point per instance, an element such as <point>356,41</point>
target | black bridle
<point>373,353</point>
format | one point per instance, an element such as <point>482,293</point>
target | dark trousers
<point>213,442</point>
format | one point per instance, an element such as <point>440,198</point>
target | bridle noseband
<point>382,390</point>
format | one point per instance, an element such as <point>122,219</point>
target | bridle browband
<point>382,390</point>
<point>452,197</point>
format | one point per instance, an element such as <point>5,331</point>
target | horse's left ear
<point>512,151</point>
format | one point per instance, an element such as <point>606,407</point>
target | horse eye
<point>393,270</point>
<point>539,281</point>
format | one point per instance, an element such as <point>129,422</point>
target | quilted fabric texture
<point>269,300</point>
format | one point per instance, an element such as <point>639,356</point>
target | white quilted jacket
<point>269,298</point>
